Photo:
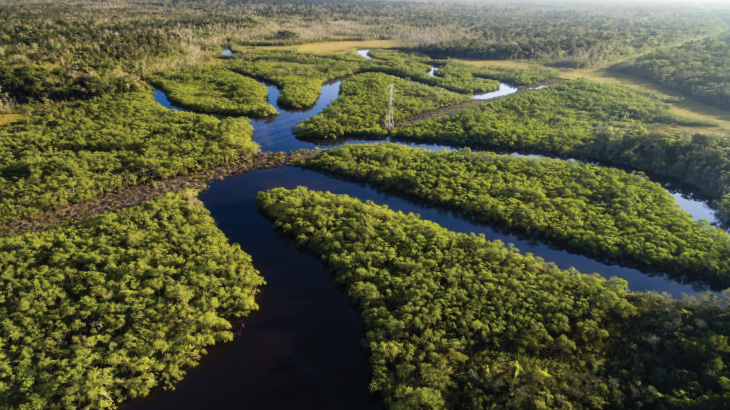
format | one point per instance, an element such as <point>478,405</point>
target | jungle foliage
<point>697,68</point>
<point>453,76</point>
<point>65,153</point>
<point>605,213</point>
<point>214,89</point>
<point>104,310</point>
<point>587,120</point>
<point>362,106</point>
<point>515,76</point>
<point>573,36</point>
<point>455,321</point>
<point>299,75</point>
<point>96,48</point>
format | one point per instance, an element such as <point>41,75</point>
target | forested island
<point>152,230</point>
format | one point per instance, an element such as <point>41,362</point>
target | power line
<point>389,121</point>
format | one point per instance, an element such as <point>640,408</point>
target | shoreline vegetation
<point>105,309</point>
<point>454,320</point>
<point>582,119</point>
<point>114,279</point>
<point>137,194</point>
<point>212,89</point>
<point>600,212</point>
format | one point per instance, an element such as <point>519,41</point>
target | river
<point>302,349</point>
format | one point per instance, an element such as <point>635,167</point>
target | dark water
<point>303,350</point>
<point>276,133</point>
<point>232,190</point>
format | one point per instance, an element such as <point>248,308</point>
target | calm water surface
<point>302,349</point>
<point>504,89</point>
<point>364,53</point>
<point>161,98</point>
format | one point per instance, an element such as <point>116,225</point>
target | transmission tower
<point>389,121</point>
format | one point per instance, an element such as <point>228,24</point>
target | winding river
<point>303,348</point>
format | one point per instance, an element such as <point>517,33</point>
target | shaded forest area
<point>454,321</point>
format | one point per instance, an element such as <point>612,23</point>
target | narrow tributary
<point>303,348</point>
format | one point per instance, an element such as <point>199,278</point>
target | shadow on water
<point>302,349</point>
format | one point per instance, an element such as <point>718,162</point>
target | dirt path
<point>137,194</point>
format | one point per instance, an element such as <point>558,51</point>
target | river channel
<point>303,350</point>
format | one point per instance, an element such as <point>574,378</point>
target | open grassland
<point>330,47</point>
<point>522,65</point>
<point>679,105</point>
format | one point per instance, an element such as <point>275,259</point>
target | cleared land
<point>522,65</point>
<point>681,105</point>
<point>333,47</point>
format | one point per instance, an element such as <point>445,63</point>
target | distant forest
<point>82,49</point>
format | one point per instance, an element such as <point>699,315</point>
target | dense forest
<point>698,68</point>
<point>83,48</point>
<point>106,309</point>
<point>572,37</point>
<point>65,153</point>
<point>588,120</point>
<point>214,89</point>
<point>362,106</point>
<point>455,321</point>
<point>299,76</point>
<point>103,309</point>
<point>602,212</point>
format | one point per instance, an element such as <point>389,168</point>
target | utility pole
<point>389,121</point>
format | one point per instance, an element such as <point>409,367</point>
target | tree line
<point>592,121</point>
<point>454,321</point>
<point>602,212</point>
<point>698,68</point>
<point>65,153</point>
